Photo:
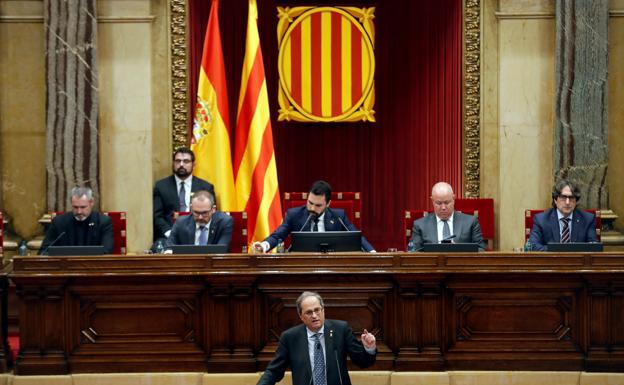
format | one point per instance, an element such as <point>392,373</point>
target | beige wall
<point>133,118</point>
<point>518,72</point>
<point>22,116</point>
<point>616,110</point>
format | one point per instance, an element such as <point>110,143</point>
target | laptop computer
<point>75,250</point>
<point>574,247</point>
<point>199,249</point>
<point>450,247</point>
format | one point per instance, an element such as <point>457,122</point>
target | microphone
<point>339,219</point>
<point>331,337</point>
<point>310,216</point>
<point>45,252</point>
<point>448,239</point>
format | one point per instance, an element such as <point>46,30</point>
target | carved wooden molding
<point>471,97</point>
<point>179,98</point>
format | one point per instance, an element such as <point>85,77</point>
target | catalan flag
<point>211,133</point>
<point>254,158</point>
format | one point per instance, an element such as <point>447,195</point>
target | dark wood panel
<point>489,311</point>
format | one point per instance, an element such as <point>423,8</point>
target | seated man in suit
<point>173,193</point>
<point>315,215</point>
<point>316,350</point>
<point>563,223</point>
<point>83,226</point>
<point>204,226</point>
<point>446,224</point>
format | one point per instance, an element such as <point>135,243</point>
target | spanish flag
<point>254,158</point>
<point>211,134</point>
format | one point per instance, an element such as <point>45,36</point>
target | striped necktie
<point>565,232</point>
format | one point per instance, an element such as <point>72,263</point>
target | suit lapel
<point>305,352</point>
<point>212,230</point>
<point>576,226</point>
<point>554,226</point>
<point>91,233</point>
<point>433,226</point>
<point>330,363</point>
<point>329,221</point>
<point>457,226</point>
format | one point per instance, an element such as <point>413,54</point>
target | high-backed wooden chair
<point>119,229</point>
<point>350,202</point>
<point>239,233</point>
<point>529,214</point>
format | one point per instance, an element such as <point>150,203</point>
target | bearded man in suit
<point>173,193</point>
<point>447,224</point>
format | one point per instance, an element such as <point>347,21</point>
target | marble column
<point>72,99</point>
<point>581,127</point>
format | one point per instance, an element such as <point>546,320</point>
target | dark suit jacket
<point>220,231</point>
<point>99,233</point>
<point>292,352</point>
<point>166,202</point>
<point>546,228</point>
<point>465,228</point>
<point>296,218</point>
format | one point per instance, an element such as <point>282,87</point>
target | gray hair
<point>305,295</point>
<point>203,195</point>
<point>79,192</point>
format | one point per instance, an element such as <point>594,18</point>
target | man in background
<point>173,193</point>
<point>446,224</point>
<point>315,215</point>
<point>204,226</point>
<point>563,223</point>
<point>83,226</point>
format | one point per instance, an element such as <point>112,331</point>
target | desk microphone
<point>339,219</point>
<point>310,216</point>
<point>45,252</point>
<point>331,337</point>
<point>448,239</point>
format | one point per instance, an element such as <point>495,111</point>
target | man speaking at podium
<point>446,224</point>
<point>316,350</point>
<point>315,215</point>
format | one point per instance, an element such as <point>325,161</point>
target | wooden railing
<point>224,313</point>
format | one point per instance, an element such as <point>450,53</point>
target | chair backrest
<point>239,233</point>
<point>119,229</point>
<point>529,214</point>
<point>1,234</point>
<point>350,202</point>
<point>411,215</point>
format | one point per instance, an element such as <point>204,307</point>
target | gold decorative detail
<point>179,97</point>
<point>472,97</point>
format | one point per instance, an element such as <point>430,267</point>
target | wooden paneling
<point>225,313</point>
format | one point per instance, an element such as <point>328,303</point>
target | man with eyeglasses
<point>173,193</point>
<point>447,224</point>
<point>204,226</point>
<point>563,223</point>
<point>316,350</point>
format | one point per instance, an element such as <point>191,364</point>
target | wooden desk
<point>490,311</point>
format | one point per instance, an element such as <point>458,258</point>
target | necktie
<point>182,197</point>
<point>565,232</point>
<point>319,362</point>
<point>315,224</point>
<point>203,235</point>
<point>446,230</point>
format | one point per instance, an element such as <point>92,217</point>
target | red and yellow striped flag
<point>211,134</point>
<point>254,158</point>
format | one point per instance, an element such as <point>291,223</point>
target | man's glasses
<point>564,197</point>
<point>317,310</point>
<point>200,213</point>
